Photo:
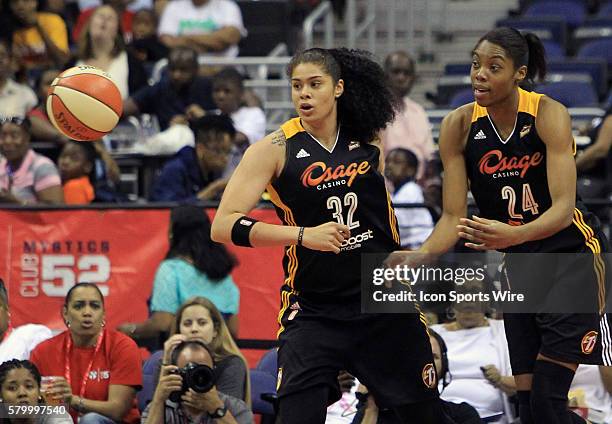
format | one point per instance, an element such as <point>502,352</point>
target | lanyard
<point>67,363</point>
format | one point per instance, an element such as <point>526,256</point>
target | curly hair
<point>15,364</point>
<point>366,106</point>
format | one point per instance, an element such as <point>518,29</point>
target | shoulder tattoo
<point>278,138</point>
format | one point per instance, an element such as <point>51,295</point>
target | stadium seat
<point>149,373</point>
<point>553,49</point>
<point>461,98</point>
<point>462,68</point>
<point>596,68</point>
<point>570,93</point>
<point>600,48</point>
<point>605,10</point>
<point>269,362</point>
<point>262,383</point>
<point>592,29</point>
<point>545,27</point>
<point>448,85</point>
<point>574,13</point>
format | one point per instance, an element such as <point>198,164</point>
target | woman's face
<point>313,92</point>
<point>493,75</point>
<point>85,312</point>
<point>24,9</point>
<point>104,23</point>
<point>14,142</point>
<point>197,323</point>
<point>20,388</point>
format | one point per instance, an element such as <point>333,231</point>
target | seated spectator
<point>42,128</point>
<point>415,224</point>
<point>119,6</point>
<point>15,99</point>
<point>145,44</point>
<point>194,266</point>
<point>40,39</point>
<point>76,164</point>
<point>212,27</point>
<point>101,45</point>
<point>411,128</point>
<point>457,413</point>
<point>103,397</point>
<point>590,394</point>
<point>20,385</point>
<point>478,358</point>
<point>249,121</point>
<point>593,162</point>
<point>211,406</point>
<point>25,176</point>
<point>194,173</point>
<point>175,97</point>
<point>17,343</point>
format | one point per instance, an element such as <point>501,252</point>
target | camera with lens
<point>200,378</point>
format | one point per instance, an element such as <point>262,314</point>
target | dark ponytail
<point>524,49</point>
<point>366,106</point>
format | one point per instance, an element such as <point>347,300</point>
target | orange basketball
<point>84,103</point>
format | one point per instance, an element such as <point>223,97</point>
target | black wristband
<point>300,236</point>
<point>241,230</point>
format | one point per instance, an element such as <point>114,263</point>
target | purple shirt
<point>35,173</point>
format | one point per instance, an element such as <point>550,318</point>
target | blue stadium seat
<point>461,98</point>
<point>545,27</point>
<point>262,383</point>
<point>574,13</point>
<point>553,49</point>
<point>596,68</point>
<point>605,10</point>
<point>600,48</point>
<point>457,68</point>
<point>269,362</point>
<point>448,85</point>
<point>570,93</point>
<point>592,29</point>
<point>149,373</point>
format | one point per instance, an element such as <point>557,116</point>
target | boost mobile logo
<point>355,241</point>
<point>325,173</point>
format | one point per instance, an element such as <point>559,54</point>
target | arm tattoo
<point>278,138</point>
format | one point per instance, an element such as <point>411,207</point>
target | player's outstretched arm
<point>453,135</point>
<point>260,164</point>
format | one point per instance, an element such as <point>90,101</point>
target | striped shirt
<point>35,173</point>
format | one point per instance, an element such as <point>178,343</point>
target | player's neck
<point>504,113</point>
<point>325,131</point>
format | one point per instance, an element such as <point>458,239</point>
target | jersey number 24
<point>529,203</point>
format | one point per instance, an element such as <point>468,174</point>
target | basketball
<point>84,103</point>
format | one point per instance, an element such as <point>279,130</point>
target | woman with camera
<point>186,392</point>
<point>96,370</point>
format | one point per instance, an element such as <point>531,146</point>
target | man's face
<point>400,74</point>
<point>214,153</point>
<point>182,71</point>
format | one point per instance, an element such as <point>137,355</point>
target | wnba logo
<point>588,342</point>
<point>429,376</point>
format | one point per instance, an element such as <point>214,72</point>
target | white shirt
<point>22,341</point>
<point>16,99</point>
<point>181,17</point>
<point>344,410</point>
<point>468,350</point>
<point>119,71</point>
<point>587,390</point>
<point>250,121</point>
<point>415,224</point>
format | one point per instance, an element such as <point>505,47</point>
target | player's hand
<point>487,234</point>
<point>171,344</point>
<point>169,382</point>
<point>326,237</point>
<point>492,374</point>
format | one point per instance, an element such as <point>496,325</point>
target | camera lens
<point>200,378</point>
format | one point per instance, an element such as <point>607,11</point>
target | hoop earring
<point>68,324</point>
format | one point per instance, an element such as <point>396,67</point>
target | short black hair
<point>409,156</point>
<point>14,364</point>
<point>230,75</point>
<point>192,344</point>
<point>78,285</point>
<point>183,53</point>
<point>212,125</point>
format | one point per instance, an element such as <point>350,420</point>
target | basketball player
<point>323,173</point>
<point>515,148</point>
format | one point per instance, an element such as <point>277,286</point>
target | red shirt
<point>78,191</point>
<point>117,362</point>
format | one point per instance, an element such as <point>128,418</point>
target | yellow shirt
<point>29,45</point>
